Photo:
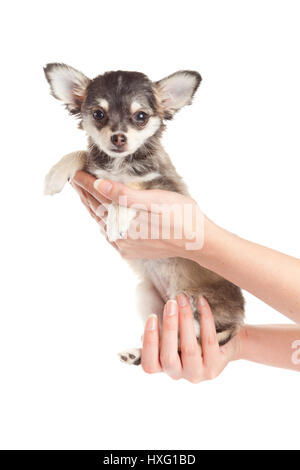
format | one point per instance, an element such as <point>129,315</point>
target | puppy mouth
<point>118,150</point>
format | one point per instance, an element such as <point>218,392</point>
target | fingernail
<point>171,308</point>
<point>202,301</point>
<point>103,186</point>
<point>152,322</point>
<point>181,298</point>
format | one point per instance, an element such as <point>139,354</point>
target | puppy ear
<point>177,90</point>
<point>67,84</point>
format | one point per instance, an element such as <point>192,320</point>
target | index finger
<point>190,351</point>
<point>150,352</point>
<point>86,181</point>
<point>209,342</point>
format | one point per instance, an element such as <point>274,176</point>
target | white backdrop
<point>67,301</point>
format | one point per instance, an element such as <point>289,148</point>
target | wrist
<point>242,341</point>
<point>211,238</point>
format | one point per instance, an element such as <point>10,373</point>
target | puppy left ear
<point>67,84</point>
<point>177,90</point>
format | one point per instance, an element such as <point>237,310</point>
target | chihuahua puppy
<point>123,115</point>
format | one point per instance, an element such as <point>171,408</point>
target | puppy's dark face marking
<point>121,112</point>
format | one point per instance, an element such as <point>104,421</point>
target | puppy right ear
<point>177,90</point>
<point>67,84</point>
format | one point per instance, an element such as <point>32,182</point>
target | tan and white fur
<point>123,115</point>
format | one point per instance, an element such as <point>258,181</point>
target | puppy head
<point>121,111</point>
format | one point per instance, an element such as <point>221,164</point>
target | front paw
<point>55,180</point>
<point>131,356</point>
<point>118,221</point>
<point>64,170</point>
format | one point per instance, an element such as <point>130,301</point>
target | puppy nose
<point>119,139</point>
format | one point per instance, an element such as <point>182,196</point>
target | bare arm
<point>271,276</point>
<point>272,345</point>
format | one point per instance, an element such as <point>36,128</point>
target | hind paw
<point>131,356</point>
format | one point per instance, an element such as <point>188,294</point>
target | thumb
<point>126,196</point>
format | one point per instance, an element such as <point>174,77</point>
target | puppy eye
<point>98,114</point>
<point>140,117</point>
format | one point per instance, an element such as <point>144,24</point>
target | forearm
<point>269,275</point>
<point>272,345</point>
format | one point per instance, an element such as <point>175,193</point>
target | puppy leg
<point>64,170</point>
<point>118,221</point>
<point>148,301</point>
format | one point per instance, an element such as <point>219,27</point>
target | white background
<point>67,301</point>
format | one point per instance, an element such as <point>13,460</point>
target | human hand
<point>167,224</point>
<point>160,352</point>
